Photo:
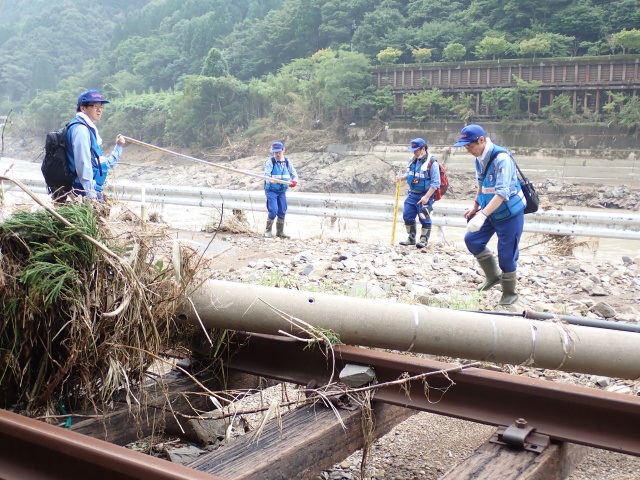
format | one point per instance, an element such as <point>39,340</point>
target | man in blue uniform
<point>278,167</point>
<point>423,176</point>
<point>498,208</point>
<point>84,147</point>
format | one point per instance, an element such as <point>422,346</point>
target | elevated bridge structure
<point>587,79</point>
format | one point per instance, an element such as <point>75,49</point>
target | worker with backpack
<point>86,167</point>
<point>498,209</point>
<point>284,175</point>
<point>423,174</point>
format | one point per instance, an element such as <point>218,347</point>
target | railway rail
<point>563,413</point>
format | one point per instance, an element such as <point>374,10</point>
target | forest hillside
<point>202,73</point>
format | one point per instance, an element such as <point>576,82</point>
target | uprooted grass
<point>74,307</point>
<point>563,245</point>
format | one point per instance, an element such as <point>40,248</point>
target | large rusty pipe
<point>436,331</point>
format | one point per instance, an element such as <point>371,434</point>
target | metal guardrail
<point>590,224</point>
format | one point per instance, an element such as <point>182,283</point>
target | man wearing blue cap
<point>498,208</point>
<point>284,175</point>
<point>423,176</point>
<point>84,150</point>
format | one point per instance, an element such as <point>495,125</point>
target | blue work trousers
<point>412,208</point>
<point>509,232</point>
<point>276,204</point>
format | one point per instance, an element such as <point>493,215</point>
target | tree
<point>560,110</point>
<point>341,19</point>
<point>627,40</point>
<point>582,20</point>
<point>429,102</point>
<point>492,47</point>
<point>143,116</point>
<point>50,110</point>
<point>422,55</point>
<point>419,10</point>
<point>502,101</point>
<point>630,114</point>
<point>528,90</point>
<point>594,48</point>
<point>561,45</point>
<point>628,108</point>
<point>439,34</point>
<point>388,55</point>
<point>622,14</point>
<point>454,51</point>
<point>463,107</point>
<point>215,65</point>
<point>207,111</point>
<point>376,103</point>
<point>535,46</point>
<point>339,83</point>
<point>371,35</point>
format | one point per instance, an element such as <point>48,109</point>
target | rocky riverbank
<point>427,445</point>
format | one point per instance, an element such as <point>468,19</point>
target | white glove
<point>476,222</point>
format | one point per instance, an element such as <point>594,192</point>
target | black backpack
<point>55,166</point>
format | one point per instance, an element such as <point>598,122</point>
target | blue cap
<point>417,143</point>
<point>469,134</point>
<point>91,96</point>
<point>277,147</point>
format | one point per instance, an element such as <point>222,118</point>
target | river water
<point>195,219</point>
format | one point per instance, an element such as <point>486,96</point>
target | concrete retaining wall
<point>596,141</point>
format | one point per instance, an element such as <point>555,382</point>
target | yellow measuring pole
<point>395,212</point>
<point>229,169</point>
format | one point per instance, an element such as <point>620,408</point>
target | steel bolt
<point>521,423</point>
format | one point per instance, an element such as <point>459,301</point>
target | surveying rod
<point>229,169</point>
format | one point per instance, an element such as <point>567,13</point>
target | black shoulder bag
<point>533,201</point>
<point>528,190</point>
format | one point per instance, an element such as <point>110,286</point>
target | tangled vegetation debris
<point>87,302</point>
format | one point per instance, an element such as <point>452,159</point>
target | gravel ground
<point>426,445</point>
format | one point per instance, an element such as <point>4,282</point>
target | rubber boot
<point>509,295</point>
<point>490,268</point>
<point>280,228</point>
<point>424,236</point>
<point>267,231</point>
<point>411,230</point>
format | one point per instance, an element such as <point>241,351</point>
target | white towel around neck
<point>91,124</point>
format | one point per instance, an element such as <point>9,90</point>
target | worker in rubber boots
<point>498,209</point>
<point>423,182</point>
<point>278,167</point>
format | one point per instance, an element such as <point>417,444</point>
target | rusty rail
<point>30,450</point>
<point>564,412</point>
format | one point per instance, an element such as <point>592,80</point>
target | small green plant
<point>324,338</point>
<point>457,302</point>
<point>277,278</point>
